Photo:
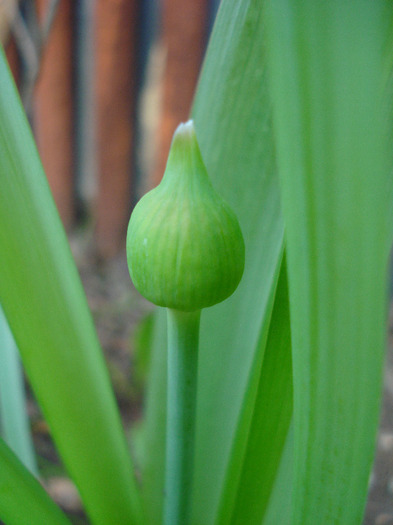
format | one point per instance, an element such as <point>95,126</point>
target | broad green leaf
<point>328,72</point>
<point>142,344</point>
<point>279,509</point>
<point>14,420</point>
<point>155,425</point>
<point>248,489</point>
<point>232,123</point>
<point>23,501</point>
<point>236,144</point>
<point>43,299</point>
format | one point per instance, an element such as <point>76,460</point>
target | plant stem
<point>183,337</point>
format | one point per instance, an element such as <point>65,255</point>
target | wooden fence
<point>84,68</point>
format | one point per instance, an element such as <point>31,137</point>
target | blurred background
<point>104,84</point>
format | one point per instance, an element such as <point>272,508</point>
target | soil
<point>117,308</point>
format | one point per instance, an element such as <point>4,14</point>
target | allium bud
<point>185,249</point>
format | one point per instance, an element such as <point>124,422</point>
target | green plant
<point>185,252</point>
<point>327,80</point>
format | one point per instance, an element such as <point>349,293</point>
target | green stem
<point>183,338</point>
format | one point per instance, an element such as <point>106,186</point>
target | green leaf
<point>142,343</point>
<point>328,72</point>
<point>255,460</point>
<point>279,509</point>
<point>15,425</point>
<point>232,120</point>
<point>43,299</point>
<point>153,468</point>
<point>23,501</point>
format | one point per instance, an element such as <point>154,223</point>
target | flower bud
<point>185,249</point>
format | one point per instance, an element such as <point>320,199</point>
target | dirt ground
<point>117,308</point>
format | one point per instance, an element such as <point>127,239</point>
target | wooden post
<point>12,55</point>
<point>53,121</point>
<point>115,42</point>
<point>184,32</point>
<point>7,12</point>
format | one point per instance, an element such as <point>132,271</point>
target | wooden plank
<point>53,119</point>
<point>7,11</point>
<point>13,60</point>
<point>184,33</point>
<point>115,44</point>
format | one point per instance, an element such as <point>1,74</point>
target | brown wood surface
<point>53,115</point>
<point>12,55</point>
<point>184,25</point>
<point>115,41</point>
<point>7,11</point>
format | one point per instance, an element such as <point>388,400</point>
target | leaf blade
<point>47,311</point>
<point>17,485</point>
<point>333,163</point>
<point>269,425</point>
<point>15,425</point>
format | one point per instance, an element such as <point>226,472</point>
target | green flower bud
<point>185,249</point>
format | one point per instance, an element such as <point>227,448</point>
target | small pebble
<point>64,493</point>
<point>371,480</point>
<point>386,441</point>
<point>384,519</point>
